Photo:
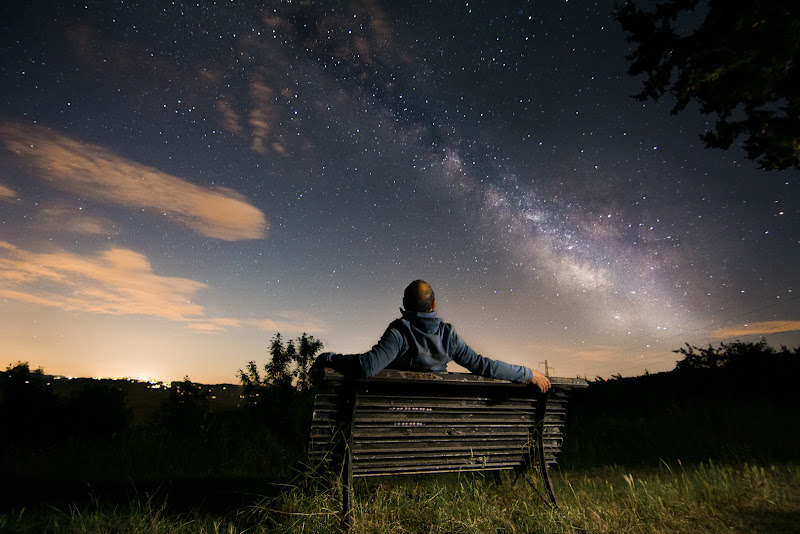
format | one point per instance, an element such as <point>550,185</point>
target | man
<point>420,341</point>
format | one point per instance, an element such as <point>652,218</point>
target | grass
<point>667,498</point>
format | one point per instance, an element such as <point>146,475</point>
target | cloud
<point>761,328</point>
<point>116,281</point>
<point>290,322</point>
<point>97,173</point>
<point>260,120</point>
<point>260,116</point>
<point>122,282</point>
<point>61,219</point>
<point>6,193</point>
<point>230,120</point>
<point>218,324</point>
<point>287,323</point>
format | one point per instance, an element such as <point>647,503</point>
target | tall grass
<point>670,498</point>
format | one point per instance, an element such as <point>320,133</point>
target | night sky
<point>181,181</point>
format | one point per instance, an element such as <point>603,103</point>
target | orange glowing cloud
<point>761,328</point>
<point>116,281</point>
<point>97,173</point>
<point>121,282</point>
<point>6,193</point>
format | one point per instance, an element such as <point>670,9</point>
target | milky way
<point>181,182</point>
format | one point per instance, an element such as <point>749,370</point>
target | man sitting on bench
<point>420,341</point>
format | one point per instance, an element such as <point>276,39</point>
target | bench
<point>404,423</point>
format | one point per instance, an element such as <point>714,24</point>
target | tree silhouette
<point>306,353</point>
<point>741,65</point>
<point>288,366</point>
<point>18,379</point>
<point>277,369</point>
<point>251,380</point>
<point>29,411</point>
<point>250,374</point>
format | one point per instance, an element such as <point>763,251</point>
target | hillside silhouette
<point>213,445</point>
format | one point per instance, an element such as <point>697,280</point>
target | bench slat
<point>440,469</point>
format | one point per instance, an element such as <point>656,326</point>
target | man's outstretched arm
<point>481,365</point>
<point>366,364</point>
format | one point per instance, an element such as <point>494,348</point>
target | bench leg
<point>551,496</point>
<point>347,492</point>
<point>541,409</point>
<point>347,473</point>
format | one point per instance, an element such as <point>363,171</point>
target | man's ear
<point>433,306</point>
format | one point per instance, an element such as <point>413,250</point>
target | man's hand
<point>317,370</point>
<point>540,380</point>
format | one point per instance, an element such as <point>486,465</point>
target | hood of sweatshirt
<point>426,322</point>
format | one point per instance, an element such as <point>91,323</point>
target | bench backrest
<point>403,422</point>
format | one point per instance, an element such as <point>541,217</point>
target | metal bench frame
<point>402,422</point>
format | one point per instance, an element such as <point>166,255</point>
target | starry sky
<point>181,181</point>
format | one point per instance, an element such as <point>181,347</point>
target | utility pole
<point>547,368</point>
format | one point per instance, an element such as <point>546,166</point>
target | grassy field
<point>667,498</point>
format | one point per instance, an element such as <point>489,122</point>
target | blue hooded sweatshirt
<point>422,342</point>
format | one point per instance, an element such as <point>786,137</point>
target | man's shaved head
<point>418,297</point>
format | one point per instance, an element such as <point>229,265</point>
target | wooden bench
<point>403,423</point>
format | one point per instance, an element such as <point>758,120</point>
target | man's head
<point>418,297</point>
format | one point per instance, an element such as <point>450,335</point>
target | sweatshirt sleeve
<point>464,356</point>
<point>369,363</point>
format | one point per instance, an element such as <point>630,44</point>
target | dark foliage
<point>47,435</point>
<point>98,411</point>
<point>38,420</point>
<point>251,380</point>
<point>741,64</point>
<point>732,403</point>
<point>29,413</point>
<point>186,411</point>
<point>737,354</point>
<point>84,435</point>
